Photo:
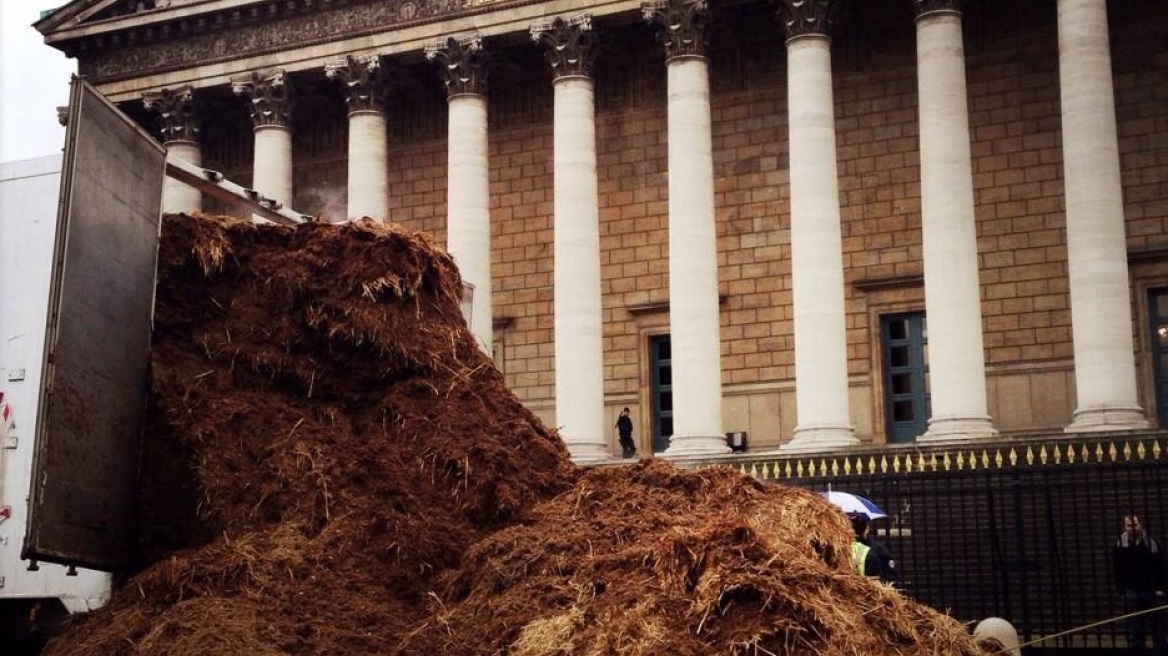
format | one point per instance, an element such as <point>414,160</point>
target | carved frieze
<point>567,45</point>
<point>928,6</point>
<point>267,93</point>
<point>363,81</point>
<point>209,38</point>
<point>463,65</point>
<point>805,17</point>
<point>682,25</point>
<point>206,39</point>
<point>175,111</point>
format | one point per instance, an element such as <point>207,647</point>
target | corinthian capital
<point>568,45</point>
<point>682,25</point>
<point>175,111</point>
<point>268,93</point>
<point>929,6</point>
<point>806,17</point>
<point>362,80</point>
<point>463,63</point>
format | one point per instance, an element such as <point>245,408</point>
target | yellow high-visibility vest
<point>859,555</point>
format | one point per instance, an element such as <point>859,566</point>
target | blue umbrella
<point>853,503</point>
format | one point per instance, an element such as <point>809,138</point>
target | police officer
<point>863,557</point>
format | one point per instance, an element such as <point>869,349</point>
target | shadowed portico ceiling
<point>124,39</point>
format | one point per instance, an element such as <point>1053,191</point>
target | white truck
<point>78,253</point>
<point>28,222</point>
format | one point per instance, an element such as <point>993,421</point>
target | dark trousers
<point>1140,626</point>
<point>628,449</point>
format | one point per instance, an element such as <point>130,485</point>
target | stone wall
<point>1012,63</point>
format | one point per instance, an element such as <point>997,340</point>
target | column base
<point>696,445</point>
<point>588,453</point>
<point>958,429</point>
<point>1108,418</point>
<point>820,438</point>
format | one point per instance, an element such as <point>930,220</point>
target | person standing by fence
<point>1138,562</point>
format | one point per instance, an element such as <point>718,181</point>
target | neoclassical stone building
<point>727,216</point>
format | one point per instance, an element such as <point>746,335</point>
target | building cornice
<point>166,49</point>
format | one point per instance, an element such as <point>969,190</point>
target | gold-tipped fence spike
<point>835,467</point>
<point>1029,455</point>
<point>1042,454</point>
<point>883,464</point>
<point>1127,451</point>
<point>1070,454</point>
<point>1141,452</point>
<point>1013,457</point>
<point>945,461</point>
<point>1098,453</point>
<point>1156,448</point>
<point>848,466</point>
<point>960,461</point>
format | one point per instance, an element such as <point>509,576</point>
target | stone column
<point>579,324</point>
<point>694,324</point>
<point>178,121</point>
<point>468,221</point>
<point>1101,314</point>
<point>362,80</point>
<point>817,271</point>
<point>952,289</point>
<point>272,166</point>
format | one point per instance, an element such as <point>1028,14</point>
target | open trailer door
<point>82,503</point>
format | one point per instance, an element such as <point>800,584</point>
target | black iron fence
<point>1019,529</point>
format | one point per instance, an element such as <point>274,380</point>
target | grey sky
<point>34,80</point>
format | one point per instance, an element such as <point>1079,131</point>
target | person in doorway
<point>1138,562</point>
<point>624,428</point>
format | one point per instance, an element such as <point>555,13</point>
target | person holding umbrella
<point>863,558</point>
<point>870,557</point>
<point>885,565</point>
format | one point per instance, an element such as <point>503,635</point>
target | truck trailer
<point>79,239</point>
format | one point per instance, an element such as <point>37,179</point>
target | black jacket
<point>624,425</point>
<point>1138,564</point>
<point>882,562</point>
